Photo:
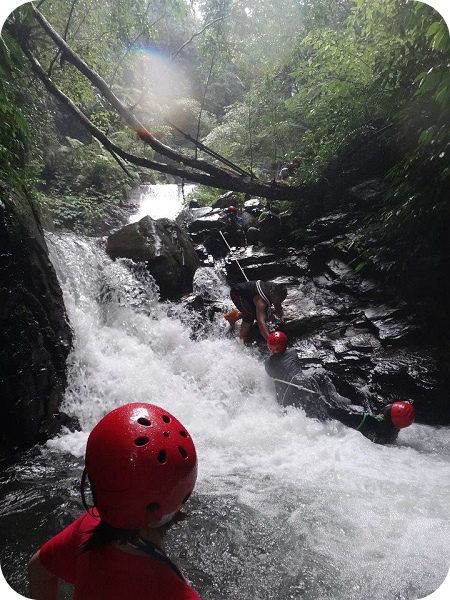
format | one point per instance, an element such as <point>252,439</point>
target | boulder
<point>164,247</point>
<point>35,336</point>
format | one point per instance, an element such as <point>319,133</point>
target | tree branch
<point>193,170</point>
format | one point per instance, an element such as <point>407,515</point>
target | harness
<point>154,551</point>
<point>265,298</point>
<point>261,293</point>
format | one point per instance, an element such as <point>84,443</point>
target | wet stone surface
<point>352,327</point>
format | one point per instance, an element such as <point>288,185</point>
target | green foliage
<point>205,196</point>
<point>406,239</point>
<point>13,126</point>
<point>84,183</point>
<point>77,214</point>
<point>276,80</point>
<point>114,38</point>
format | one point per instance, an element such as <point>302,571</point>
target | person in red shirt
<point>141,465</point>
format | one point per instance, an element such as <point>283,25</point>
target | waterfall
<point>160,200</point>
<point>285,507</point>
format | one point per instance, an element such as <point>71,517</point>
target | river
<point>285,507</point>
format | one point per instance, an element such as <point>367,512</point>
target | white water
<point>161,200</point>
<point>342,518</point>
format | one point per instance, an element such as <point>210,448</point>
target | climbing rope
<point>242,270</point>
<point>300,387</point>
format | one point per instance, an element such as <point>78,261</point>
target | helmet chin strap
<point>152,550</point>
<point>84,476</point>
<point>163,521</point>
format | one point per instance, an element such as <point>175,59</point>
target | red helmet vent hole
<point>162,457</point>
<point>153,507</point>
<point>182,451</point>
<point>144,421</point>
<point>141,441</point>
<point>183,433</point>
<point>165,433</point>
<point>166,419</point>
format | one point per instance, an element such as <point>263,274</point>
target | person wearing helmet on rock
<point>141,465</point>
<point>254,301</point>
<point>323,402</point>
<point>234,232</point>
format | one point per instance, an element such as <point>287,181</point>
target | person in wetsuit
<point>323,402</point>
<point>141,464</point>
<point>254,301</point>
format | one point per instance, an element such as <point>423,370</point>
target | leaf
<point>360,266</point>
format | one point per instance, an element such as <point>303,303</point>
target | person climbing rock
<point>323,402</point>
<point>255,301</point>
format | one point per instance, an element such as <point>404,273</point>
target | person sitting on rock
<point>233,231</point>
<point>254,300</point>
<point>293,388</point>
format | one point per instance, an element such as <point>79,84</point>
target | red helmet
<point>142,465</point>
<point>232,209</point>
<point>402,414</point>
<point>277,341</point>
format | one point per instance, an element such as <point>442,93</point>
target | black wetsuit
<point>242,295</point>
<point>325,403</point>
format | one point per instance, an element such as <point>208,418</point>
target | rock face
<point>165,248</point>
<point>358,331</point>
<point>35,336</point>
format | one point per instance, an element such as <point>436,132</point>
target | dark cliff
<point>35,336</point>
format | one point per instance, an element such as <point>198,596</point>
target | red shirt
<point>109,573</point>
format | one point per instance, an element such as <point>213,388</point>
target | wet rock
<point>393,325</point>
<point>409,374</point>
<point>365,342</point>
<point>204,220</point>
<point>225,200</point>
<point>322,253</point>
<point>164,247</point>
<point>262,263</point>
<point>325,228</point>
<point>35,336</point>
<point>366,195</point>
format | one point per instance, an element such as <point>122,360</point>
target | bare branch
<point>195,35</point>
<point>186,168</point>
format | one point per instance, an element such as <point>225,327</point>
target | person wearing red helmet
<point>141,465</point>
<point>233,231</point>
<point>318,397</point>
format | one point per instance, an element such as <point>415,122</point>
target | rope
<point>300,387</point>
<point>362,422</point>
<point>242,270</point>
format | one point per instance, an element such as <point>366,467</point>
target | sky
<point>6,7</point>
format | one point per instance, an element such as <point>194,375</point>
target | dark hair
<point>279,290</point>
<point>103,534</point>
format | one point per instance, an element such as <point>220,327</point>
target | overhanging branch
<point>186,167</point>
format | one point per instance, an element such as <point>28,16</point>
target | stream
<point>285,507</point>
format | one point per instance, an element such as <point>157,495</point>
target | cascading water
<point>160,200</point>
<point>285,507</point>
